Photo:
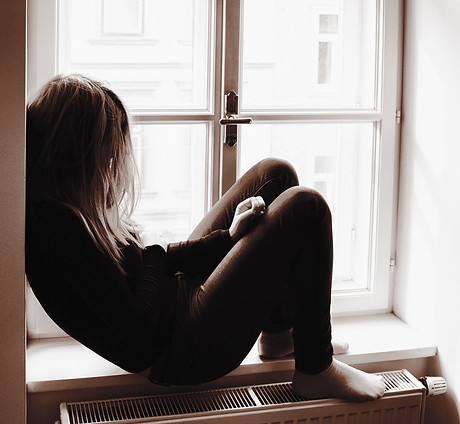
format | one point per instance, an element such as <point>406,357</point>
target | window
<point>123,18</point>
<point>318,78</point>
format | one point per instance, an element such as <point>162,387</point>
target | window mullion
<point>231,74</point>
<point>217,109</point>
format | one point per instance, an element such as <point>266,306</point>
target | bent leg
<point>268,178</point>
<point>289,249</point>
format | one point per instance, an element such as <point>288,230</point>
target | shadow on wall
<point>440,409</point>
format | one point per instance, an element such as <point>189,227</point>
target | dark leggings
<point>276,276</point>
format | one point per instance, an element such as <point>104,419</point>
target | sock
<point>275,345</point>
<point>339,380</point>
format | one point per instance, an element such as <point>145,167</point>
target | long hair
<point>79,153</point>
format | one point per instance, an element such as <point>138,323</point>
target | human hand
<point>245,213</point>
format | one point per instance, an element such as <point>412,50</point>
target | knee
<point>308,202</point>
<point>280,169</point>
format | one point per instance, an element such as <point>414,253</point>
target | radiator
<point>402,403</point>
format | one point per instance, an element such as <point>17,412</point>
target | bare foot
<point>339,381</point>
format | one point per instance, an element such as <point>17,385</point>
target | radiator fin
<point>234,400</point>
<point>396,380</point>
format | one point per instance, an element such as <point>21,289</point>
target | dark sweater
<point>123,318</point>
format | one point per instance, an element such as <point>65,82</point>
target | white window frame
<point>377,298</point>
<point>222,160</point>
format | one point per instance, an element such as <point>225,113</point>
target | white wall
<point>12,140</point>
<point>428,252</point>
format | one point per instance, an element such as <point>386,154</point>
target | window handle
<point>234,120</point>
<point>231,119</point>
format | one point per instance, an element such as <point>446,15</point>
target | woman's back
<point>83,290</point>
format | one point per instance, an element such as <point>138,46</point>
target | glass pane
<point>309,54</point>
<point>154,53</point>
<point>122,17</point>
<point>172,164</point>
<point>336,160</point>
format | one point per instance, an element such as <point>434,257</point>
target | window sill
<point>63,364</point>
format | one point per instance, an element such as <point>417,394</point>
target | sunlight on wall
<point>428,275</point>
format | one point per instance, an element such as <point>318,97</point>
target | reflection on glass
<point>328,24</point>
<point>324,62</point>
<point>172,165</point>
<point>336,160</point>
<point>154,53</point>
<point>306,54</point>
<point>120,17</point>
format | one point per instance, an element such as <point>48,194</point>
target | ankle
<point>279,344</point>
<point>275,345</point>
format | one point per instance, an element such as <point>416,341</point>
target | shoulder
<point>44,211</point>
<point>52,217</point>
<point>53,226</point>
<point>59,250</point>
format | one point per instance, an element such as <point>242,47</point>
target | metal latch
<point>231,119</point>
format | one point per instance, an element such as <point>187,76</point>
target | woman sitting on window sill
<point>187,312</point>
